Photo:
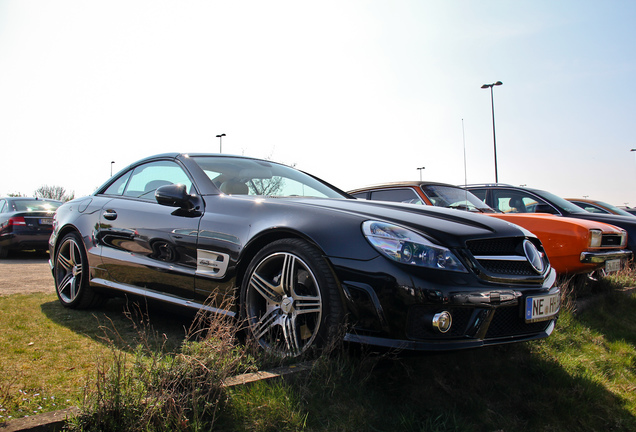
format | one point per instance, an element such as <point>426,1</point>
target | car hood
<point>553,220</point>
<point>448,226</point>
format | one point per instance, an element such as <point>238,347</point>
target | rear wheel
<point>290,299</point>
<point>71,274</point>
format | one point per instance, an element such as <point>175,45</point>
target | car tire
<point>71,273</point>
<point>290,300</point>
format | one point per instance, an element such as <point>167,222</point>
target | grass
<point>581,378</point>
<point>48,352</point>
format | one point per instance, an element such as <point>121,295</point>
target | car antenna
<point>465,176</point>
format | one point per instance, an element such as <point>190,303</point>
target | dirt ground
<point>25,273</point>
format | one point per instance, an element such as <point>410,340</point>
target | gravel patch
<point>25,273</point>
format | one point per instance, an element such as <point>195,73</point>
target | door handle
<point>110,214</point>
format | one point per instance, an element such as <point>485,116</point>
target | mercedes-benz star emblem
<point>533,256</point>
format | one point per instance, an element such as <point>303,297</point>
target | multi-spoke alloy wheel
<point>70,278</point>
<point>286,297</point>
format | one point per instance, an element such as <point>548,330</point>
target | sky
<point>354,92</point>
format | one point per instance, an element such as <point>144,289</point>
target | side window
<point>145,179</point>
<point>517,202</point>
<point>360,195</point>
<point>591,208</point>
<point>117,188</point>
<point>3,206</point>
<point>479,193</point>
<point>397,195</point>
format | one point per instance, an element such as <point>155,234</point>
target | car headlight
<point>596,238</point>
<point>407,247</point>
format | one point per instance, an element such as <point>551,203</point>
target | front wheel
<point>290,299</point>
<point>71,274</point>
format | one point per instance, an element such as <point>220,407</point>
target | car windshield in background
<point>35,205</point>
<point>615,209</point>
<point>452,197</point>
<point>559,202</point>
<point>240,176</point>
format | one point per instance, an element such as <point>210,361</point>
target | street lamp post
<point>220,137</point>
<point>420,170</point>
<point>111,168</point>
<point>494,138</point>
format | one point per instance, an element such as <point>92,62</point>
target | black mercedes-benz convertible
<point>300,261</point>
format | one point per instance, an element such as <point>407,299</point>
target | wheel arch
<point>61,234</point>
<point>263,239</point>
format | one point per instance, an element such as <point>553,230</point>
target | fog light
<point>442,321</point>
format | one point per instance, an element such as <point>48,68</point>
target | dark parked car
<point>299,260</point>
<point>517,199</point>
<point>25,223</point>
<point>595,206</point>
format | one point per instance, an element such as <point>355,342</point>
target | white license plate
<point>46,221</point>
<point>541,308</point>
<point>612,266</point>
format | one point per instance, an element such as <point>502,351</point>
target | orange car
<point>573,245</point>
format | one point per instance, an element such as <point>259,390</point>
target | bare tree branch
<point>54,192</point>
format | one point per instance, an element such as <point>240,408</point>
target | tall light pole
<point>420,170</point>
<point>111,168</point>
<point>494,137</point>
<point>220,137</point>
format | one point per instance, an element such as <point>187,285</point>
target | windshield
<point>615,209</point>
<point>559,202</point>
<point>455,198</point>
<point>243,176</point>
<point>35,205</point>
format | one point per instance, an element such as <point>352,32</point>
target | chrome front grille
<point>503,258</point>
<point>610,240</point>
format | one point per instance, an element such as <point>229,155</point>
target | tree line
<point>52,192</point>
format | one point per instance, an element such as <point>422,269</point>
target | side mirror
<point>174,195</point>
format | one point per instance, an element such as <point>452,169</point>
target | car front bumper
<point>449,345</point>
<point>601,257</point>
<point>397,312</point>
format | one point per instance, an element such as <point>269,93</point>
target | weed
<point>149,388</point>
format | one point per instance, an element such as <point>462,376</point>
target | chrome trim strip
<point>179,301</point>
<point>493,298</point>
<point>500,257</point>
